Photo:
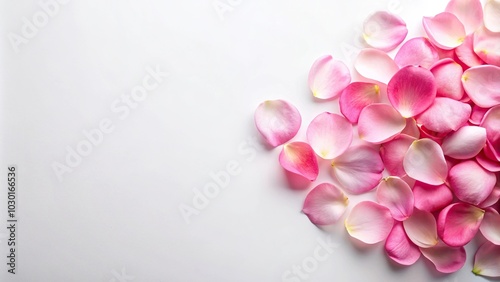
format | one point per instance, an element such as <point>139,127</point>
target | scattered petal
<point>393,154</point>
<point>399,248</point>
<point>491,121</point>
<point>446,259</point>
<point>357,96</point>
<point>369,222</point>
<point>487,163</point>
<point>417,51</point>
<point>395,194</point>
<point>328,77</point>
<point>424,161</point>
<point>278,121</point>
<point>411,128</point>
<point>325,204</point>
<point>445,115</point>
<point>465,143</point>
<point>458,223</point>
<point>379,123</point>
<point>490,227</point>
<point>465,52</point>
<point>492,198</point>
<point>492,15</point>
<point>444,30</point>
<point>476,117</point>
<point>487,260</point>
<point>421,229</point>
<point>375,64</point>
<point>299,158</point>
<point>469,12</point>
<point>470,182</point>
<point>431,198</point>
<point>482,84</point>
<point>329,135</point>
<point>384,31</point>
<point>486,46</point>
<point>448,76</point>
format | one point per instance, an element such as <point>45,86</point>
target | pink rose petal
<point>465,143</point>
<point>448,76</point>
<point>393,153</point>
<point>411,128</point>
<point>486,46</point>
<point>325,204</point>
<point>329,135</point>
<point>491,121</point>
<point>446,259</point>
<point>399,248</point>
<point>445,115</point>
<point>492,199</point>
<point>417,51</point>
<point>424,161</point>
<point>482,84</point>
<point>492,15</point>
<point>299,158</point>
<point>487,163</point>
<point>470,182</point>
<point>328,77</point>
<point>395,194</point>
<point>487,260</point>
<point>465,52</point>
<point>476,117</point>
<point>369,222</point>
<point>357,96</point>
<point>431,198</point>
<point>376,65</point>
<point>278,121</point>
<point>384,31</point>
<point>379,123</point>
<point>444,30</point>
<point>458,223</point>
<point>421,229</point>
<point>490,227</point>
<point>469,12</point>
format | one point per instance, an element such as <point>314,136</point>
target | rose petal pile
<point>429,123</point>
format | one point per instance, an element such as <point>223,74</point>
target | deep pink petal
<point>369,222</point>
<point>490,227</point>
<point>329,135</point>
<point>379,123</point>
<point>482,84</point>
<point>393,153</point>
<point>278,121</point>
<point>476,117</point>
<point>395,194</point>
<point>325,204</point>
<point>486,46</point>
<point>465,143</point>
<point>417,51</point>
<point>421,229</point>
<point>446,259</point>
<point>359,169</point>
<point>466,54</point>
<point>299,158</point>
<point>469,12</point>
<point>487,163</point>
<point>384,31</point>
<point>487,260</point>
<point>444,30</point>
<point>458,223</point>
<point>470,182</point>
<point>357,96</point>
<point>492,15</point>
<point>399,248</point>
<point>492,199</point>
<point>328,77</point>
<point>424,161</point>
<point>411,90</point>
<point>376,65</point>
<point>491,121</point>
<point>448,76</point>
<point>445,115</point>
<point>431,198</point>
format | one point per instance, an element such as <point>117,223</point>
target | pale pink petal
<point>492,15</point>
<point>476,117</point>
<point>469,12</point>
<point>417,51</point>
<point>411,90</point>
<point>424,161</point>
<point>486,46</point>
<point>379,123</point>
<point>465,52</point>
<point>359,169</point>
<point>328,77</point>
<point>399,248</point>
<point>491,121</point>
<point>411,128</point>
<point>278,121</point>
<point>393,154</point>
<point>482,84</point>
<point>369,222</point>
<point>446,259</point>
<point>395,194</point>
<point>490,227</point>
<point>421,229</point>
<point>357,96</point>
<point>470,182</point>
<point>487,163</point>
<point>448,76</point>
<point>329,135</point>
<point>299,158</point>
<point>444,30</point>
<point>325,204</point>
<point>465,143</point>
<point>375,64</point>
<point>487,260</point>
<point>492,199</point>
<point>431,198</point>
<point>458,223</point>
<point>384,31</point>
<point>445,115</point>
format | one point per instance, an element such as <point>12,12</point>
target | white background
<point>116,216</point>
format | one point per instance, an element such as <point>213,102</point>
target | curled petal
<point>357,96</point>
<point>375,64</point>
<point>299,158</point>
<point>487,163</point>
<point>446,259</point>
<point>476,117</point>
<point>421,229</point>
<point>399,248</point>
<point>379,123</point>
<point>424,161</point>
<point>393,153</point>
<point>465,143</point>
<point>445,115</point>
<point>359,169</point>
<point>417,51</point>
<point>490,227</point>
<point>384,31</point>
<point>487,260</point>
<point>469,12</point>
<point>492,15</point>
<point>458,223</point>
<point>431,198</point>
<point>411,90</point>
<point>486,46</point>
<point>482,84</point>
<point>369,222</point>
<point>444,30</point>
<point>448,76</point>
<point>329,135</point>
<point>470,182</point>
<point>395,194</point>
<point>328,77</point>
<point>491,121</point>
<point>278,121</point>
<point>465,52</point>
<point>325,204</point>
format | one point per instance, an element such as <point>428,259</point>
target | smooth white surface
<point>118,211</point>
